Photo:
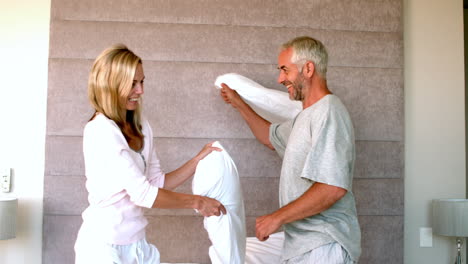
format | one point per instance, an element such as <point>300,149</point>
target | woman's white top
<point>120,181</point>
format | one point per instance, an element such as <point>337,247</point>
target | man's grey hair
<point>308,49</point>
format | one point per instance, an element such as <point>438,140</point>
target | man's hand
<point>259,126</point>
<point>230,96</point>
<point>266,225</point>
<point>318,198</point>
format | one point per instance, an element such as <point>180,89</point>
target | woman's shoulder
<point>103,131</point>
<point>101,123</point>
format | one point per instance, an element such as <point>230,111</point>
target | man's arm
<point>318,198</point>
<point>259,126</point>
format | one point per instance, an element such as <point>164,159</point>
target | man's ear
<point>309,69</point>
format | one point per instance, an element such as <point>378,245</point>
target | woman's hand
<point>177,177</point>
<point>207,149</point>
<point>207,206</point>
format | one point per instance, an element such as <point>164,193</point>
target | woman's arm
<point>172,200</point>
<point>177,177</point>
<point>169,199</point>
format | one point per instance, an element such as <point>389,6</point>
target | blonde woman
<point>123,173</point>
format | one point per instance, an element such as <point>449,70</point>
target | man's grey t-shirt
<point>318,146</point>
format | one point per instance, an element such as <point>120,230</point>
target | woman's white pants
<point>93,252</point>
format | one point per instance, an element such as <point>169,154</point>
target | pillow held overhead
<point>273,105</point>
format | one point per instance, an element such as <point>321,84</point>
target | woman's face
<point>137,89</point>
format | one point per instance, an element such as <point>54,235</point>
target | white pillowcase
<point>216,177</point>
<point>273,105</point>
<point>264,252</point>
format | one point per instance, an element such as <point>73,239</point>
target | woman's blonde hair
<point>110,84</point>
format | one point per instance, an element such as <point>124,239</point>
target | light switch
<point>425,237</point>
<point>5,179</point>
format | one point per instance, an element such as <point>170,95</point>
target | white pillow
<point>216,177</point>
<point>273,105</point>
<point>264,252</point>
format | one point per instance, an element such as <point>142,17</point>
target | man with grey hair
<point>317,206</point>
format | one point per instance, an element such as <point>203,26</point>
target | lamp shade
<point>8,208</point>
<point>450,217</point>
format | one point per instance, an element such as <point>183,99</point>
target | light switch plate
<point>5,179</point>
<point>425,237</point>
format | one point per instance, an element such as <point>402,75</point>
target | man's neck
<point>317,90</point>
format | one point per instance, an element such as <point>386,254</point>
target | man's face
<point>290,76</point>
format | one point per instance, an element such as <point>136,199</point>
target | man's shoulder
<point>330,104</point>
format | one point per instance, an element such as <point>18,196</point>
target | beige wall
<point>434,119</point>
<point>185,111</point>
<point>24,27</point>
